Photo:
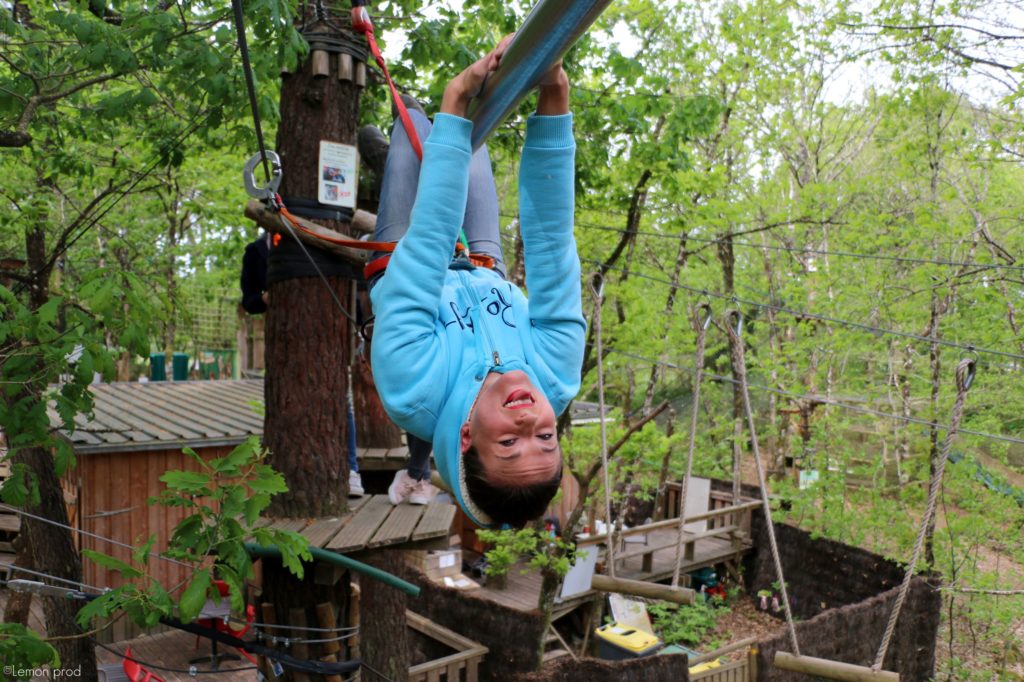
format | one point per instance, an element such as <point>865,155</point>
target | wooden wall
<point>125,481</point>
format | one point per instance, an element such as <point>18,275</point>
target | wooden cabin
<point>135,434</point>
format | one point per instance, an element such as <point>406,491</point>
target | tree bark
<point>385,636</point>
<point>309,345</point>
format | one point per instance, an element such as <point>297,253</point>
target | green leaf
<point>111,563</point>
<point>194,596</point>
<point>194,482</point>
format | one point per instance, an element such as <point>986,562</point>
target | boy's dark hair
<point>514,505</point>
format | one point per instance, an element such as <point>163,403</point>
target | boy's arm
<point>546,206</point>
<point>405,301</point>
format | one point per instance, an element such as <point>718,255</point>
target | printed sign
<point>338,170</point>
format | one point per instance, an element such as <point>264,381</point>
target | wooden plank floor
<point>382,459</point>
<point>173,650</point>
<point>523,590</point>
<point>374,523</point>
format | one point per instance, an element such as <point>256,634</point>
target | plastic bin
<point>617,642</point>
<point>179,366</point>
<point>157,367</point>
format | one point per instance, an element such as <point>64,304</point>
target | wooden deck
<point>651,561</point>
<point>382,459</point>
<point>173,650</point>
<point>374,523</point>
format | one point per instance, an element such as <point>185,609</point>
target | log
<point>680,595</point>
<point>345,67</point>
<point>269,616</point>
<point>832,670</point>
<point>325,619</point>
<point>300,650</point>
<point>353,621</point>
<point>271,221</point>
<point>361,74</point>
<point>321,64</point>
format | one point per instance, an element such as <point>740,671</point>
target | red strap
<point>361,22</point>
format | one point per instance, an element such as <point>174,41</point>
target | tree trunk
<point>52,550</point>
<point>19,604</point>
<point>54,553</point>
<point>308,342</point>
<point>383,630</point>
<point>307,336</point>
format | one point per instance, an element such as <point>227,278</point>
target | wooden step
<point>554,655</point>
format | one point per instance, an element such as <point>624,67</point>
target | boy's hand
<point>470,82</point>
<point>553,89</point>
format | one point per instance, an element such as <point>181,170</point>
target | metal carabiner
<point>708,315</point>
<point>268,191</point>
<point>735,319</point>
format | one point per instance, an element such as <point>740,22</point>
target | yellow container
<point>618,642</point>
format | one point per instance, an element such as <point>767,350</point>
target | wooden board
<point>358,532</point>
<point>436,521</point>
<point>398,527</point>
<point>320,532</point>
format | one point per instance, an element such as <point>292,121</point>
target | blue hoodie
<point>439,331</point>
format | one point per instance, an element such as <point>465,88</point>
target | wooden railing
<point>467,657</point>
<point>743,670</point>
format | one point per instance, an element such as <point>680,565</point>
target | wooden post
<point>300,650</point>
<point>639,588</point>
<point>268,616</point>
<point>345,67</point>
<point>325,619</point>
<point>361,74</point>
<point>832,670</point>
<point>320,64</point>
<point>353,622</point>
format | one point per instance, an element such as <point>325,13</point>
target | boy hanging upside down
<point>460,357</point>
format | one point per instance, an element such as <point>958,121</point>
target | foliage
<point>23,649</point>
<point>689,625</point>
<point>542,551</point>
<point>224,497</point>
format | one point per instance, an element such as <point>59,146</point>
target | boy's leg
<point>481,223</point>
<point>413,482</point>
<point>401,178</point>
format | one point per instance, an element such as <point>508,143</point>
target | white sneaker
<point>355,484</point>
<point>401,487</point>
<point>422,492</point>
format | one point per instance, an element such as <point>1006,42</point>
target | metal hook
<point>597,285</point>
<point>268,191</point>
<point>971,356</point>
<point>708,315</point>
<point>735,319</point>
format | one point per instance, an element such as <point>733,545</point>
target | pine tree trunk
<point>385,635</point>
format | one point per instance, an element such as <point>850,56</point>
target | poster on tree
<point>338,168</point>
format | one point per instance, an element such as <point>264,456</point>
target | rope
<point>610,535</point>
<point>702,332</point>
<point>740,365</point>
<point>964,378</point>
<point>832,403</point>
<point>804,250</point>
<point>803,314</point>
<point>111,541</point>
<point>250,84</point>
<point>80,585</point>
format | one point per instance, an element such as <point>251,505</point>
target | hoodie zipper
<point>480,322</point>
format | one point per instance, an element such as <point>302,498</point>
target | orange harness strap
<point>379,264</point>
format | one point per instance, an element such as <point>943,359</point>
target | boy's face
<point>512,428</point>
